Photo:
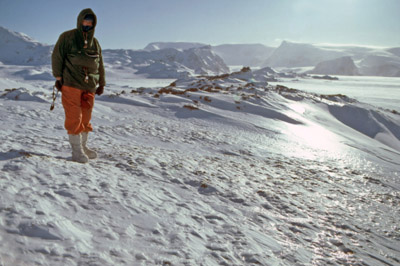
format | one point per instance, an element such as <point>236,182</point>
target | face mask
<point>86,28</point>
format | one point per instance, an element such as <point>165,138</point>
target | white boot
<point>77,152</point>
<point>90,153</point>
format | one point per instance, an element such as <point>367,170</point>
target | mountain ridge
<point>20,49</point>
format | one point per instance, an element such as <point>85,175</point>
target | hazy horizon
<point>267,45</point>
<point>134,24</point>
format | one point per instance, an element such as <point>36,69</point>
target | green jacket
<point>73,62</point>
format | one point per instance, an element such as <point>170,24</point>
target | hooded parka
<point>79,63</point>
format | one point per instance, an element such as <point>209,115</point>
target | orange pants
<point>77,116</point>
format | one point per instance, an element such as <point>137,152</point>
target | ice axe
<point>54,97</point>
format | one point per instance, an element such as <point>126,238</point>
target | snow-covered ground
<point>203,172</point>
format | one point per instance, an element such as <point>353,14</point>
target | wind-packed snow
<point>223,170</point>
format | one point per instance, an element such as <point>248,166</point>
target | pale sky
<point>133,24</point>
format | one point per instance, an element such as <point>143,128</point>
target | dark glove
<point>100,90</point>
<point>58,85</point>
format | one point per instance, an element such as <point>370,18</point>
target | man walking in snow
<point>78,67</point>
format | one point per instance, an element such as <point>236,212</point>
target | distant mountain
<point>337,60</point>
<point>19,49</point>
<point>395,51</point>
<point>373,61</point>
<point>157,62</point>
<point>178,59</point>
<point>356,52</point>
<point>300,55</point>
<point>168,63</point>
<point>380,65</point>
<point>340,66</point>
<point>232,54</point>
<point>252,55</point>
<point>174,45</point>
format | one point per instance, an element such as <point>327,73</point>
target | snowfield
<point>223,170</point>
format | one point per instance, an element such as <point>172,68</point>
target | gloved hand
<point>58,84</point>
<point>100,90</point>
